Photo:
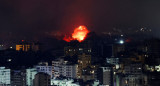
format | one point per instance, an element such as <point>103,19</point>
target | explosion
<point>79,34</point>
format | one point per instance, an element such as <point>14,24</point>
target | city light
<point>121,42</point>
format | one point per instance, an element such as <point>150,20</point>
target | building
<point>133,75</point>
<point>152,47</point>
<point>83,62</point>
<point>64,82</point>
<point>131,80</point>
<point>76,48</point>
<point>44,69</point>
<point>5,76</point>
<point>113,61</point>
<point>42,79</point>
<point>30,75</point>
<point>68,70</point>
<point>133,68</point>
<point>105,76</point>
<point>95,83</point>
<point>55,67</point>
<point>71,51</point>
<point>18,78</point>
<point>64,68</point>
<point>88,73</point>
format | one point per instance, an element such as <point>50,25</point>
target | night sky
<point>32,19</point>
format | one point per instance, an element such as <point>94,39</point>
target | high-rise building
<point>83,62</point>
<point>30,75</point>
<point>61,67</point>
<point>76,48</point>
<point>152,49</point>
<point>5,76</point>
<point>42,79</point>
<point>56,66</point>
<point>18,78</point>
<point>133,75</point>
<point>105,76</point>
<point>68,70</point>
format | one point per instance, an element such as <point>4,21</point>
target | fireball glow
<point>79,34</point>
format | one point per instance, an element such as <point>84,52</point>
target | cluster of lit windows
<point>5,76</point>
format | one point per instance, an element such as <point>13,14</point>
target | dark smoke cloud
<point>32,19</point>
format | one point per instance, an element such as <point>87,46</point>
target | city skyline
<point>79,43</point>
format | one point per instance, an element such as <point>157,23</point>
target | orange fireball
<point>79,34</point>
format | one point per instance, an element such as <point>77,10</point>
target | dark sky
<point>36,18</point>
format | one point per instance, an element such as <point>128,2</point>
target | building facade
<point>83,62</point>
<point>45,69</point>
<point>30,75</point>
<point>105,76</point>
<point>63,68</point>
<point>18,78</point>
<point>42,79</point>
<point>5,76</point>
